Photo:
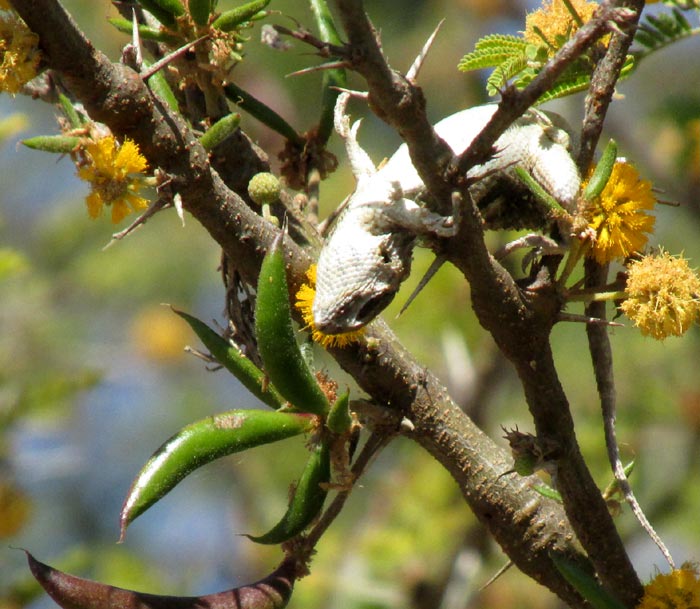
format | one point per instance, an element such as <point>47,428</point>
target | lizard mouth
<point>343,321</point>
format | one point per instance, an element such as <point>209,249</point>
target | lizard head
<point>358,275</point>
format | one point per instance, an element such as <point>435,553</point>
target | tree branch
<point>526,525</point>
<point>520,322</point>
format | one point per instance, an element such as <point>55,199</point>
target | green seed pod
<point>145,32</point>
<point>200,11</point>
<point>71,592</point>
<point>231,358</point>
<point>61,144</point>
<point>278,347</point>
<point>200,443</point>
<point>264,188</point>
<point>307,501</point>
<point>339,419</point>
<point>602,173</point>
<point>220,130</point>
<point>164,11</point>
<point>230,20</point>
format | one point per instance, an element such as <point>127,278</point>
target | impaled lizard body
<point>368,252</point>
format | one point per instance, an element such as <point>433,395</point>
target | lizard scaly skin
<point>368,252</point>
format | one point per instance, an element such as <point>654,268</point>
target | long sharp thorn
<point>429,274</point>
<point>412,73</point>
<point>588,320</point>
<point>136,38</point>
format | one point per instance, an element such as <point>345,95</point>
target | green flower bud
<point>264,188</point>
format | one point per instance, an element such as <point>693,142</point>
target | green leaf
<point>283,360</point>
<point>502,73</point>
<point>492,51</point>
<point>585,584</point>
<point>659,31</point>
<point>202,442</point>
<point>233,359</point>
<point>306,502</point>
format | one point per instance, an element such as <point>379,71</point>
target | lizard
<point>369,248</point>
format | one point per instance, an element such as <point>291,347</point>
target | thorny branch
<point>528,527</point>
<point>520,322</point>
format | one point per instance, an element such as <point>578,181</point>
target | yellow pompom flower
<point>304,304</point>
<point>618,215</point>
<point>111,170</point>
<point>19,53</point>
<point>679,589</point>
<point>554,23</point>
<point>663,296</point>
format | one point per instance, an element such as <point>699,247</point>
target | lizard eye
<point>373,307</point>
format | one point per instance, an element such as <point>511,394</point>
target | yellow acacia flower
<point>19,53</point>
<point>679,589</point>
<point>110,170</point>
<point>618,215</point>
<point>304,303</point>
<point>555,23</point>
<point>663,296</point>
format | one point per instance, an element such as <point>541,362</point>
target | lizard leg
<point>418,219</point>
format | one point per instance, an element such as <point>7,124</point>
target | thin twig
<point>598,101</point>
<point>374,444</point>
<point>161,63</point>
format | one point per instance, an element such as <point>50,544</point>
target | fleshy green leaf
<point>233,359</point>
<point>307,500</point>
<point>277,344</point>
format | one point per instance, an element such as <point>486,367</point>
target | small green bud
<point>264,188</point>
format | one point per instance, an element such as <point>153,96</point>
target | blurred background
<point>93,376</point>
